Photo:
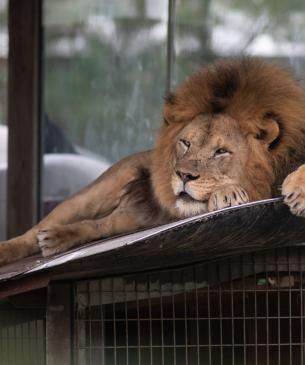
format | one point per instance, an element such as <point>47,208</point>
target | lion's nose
<point>186,176</point>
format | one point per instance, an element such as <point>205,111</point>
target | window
<point>104,86</point>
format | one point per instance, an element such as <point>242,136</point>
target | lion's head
<point>238,121</point>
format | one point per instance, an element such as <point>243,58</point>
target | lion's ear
<point>165,121</point>
<point>269,133</point>
<point>178,109</point>
<point>169,103</point>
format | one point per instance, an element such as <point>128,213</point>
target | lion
<point>233,132</point>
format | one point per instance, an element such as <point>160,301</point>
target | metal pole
<point>170,45</point>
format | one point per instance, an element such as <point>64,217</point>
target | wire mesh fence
<point>247,310</point>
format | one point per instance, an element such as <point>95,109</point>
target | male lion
<point>233,131</point>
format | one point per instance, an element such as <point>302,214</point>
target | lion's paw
<point>227,196</point>
<point>293,190</point>
<point>52,240</point>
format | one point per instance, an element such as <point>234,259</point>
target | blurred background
<point>108,64</point>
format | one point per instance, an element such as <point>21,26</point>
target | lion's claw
<point>227,196</point>
<point>49,241</point>
<point>293,191</point>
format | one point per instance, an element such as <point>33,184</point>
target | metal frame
<point>24,111</point>
<point>170,58</point>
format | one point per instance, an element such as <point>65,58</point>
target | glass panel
<point>3,114</point>
<point>104,83</point>
<point>207,29</point>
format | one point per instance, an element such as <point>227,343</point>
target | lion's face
<point>210,152</point>
<point>194,159</point>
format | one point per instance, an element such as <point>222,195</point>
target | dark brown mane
<point>250,91</point>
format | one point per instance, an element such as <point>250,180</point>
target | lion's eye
<point>183,146</point>
<point>220,152</point>
<point>185,142</point>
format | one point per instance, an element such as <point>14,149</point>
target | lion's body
<point>233,132</point>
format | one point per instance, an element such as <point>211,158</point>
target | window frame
<point>24,115</point>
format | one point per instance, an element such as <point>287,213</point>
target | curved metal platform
<point>213,236</point>
<point>254,226</point>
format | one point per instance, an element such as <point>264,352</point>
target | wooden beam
<point>24,106</point>
<point>23,285</point>
<point>58,324</point>
<point>34,299</point>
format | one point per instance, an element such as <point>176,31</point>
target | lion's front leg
<point>293,190</point>
<point>227,196</point>
<point>60,238</point>
<point>19,247</point>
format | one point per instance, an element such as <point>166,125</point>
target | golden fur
<point>233,131</point>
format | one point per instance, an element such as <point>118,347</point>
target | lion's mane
<point>248,90</point>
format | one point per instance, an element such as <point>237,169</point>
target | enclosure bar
<point>1,342</point>
<point>2,346</point>
<point>24,115</point>
<point>174,319</point>
<point>15,338</point>
<point>209,321</point>
<point>301,305</point>
<point>232,311</point>
<point>114,323</point>
<point>170,58</point>
<point>197,314</point>
<point>7,346</point>
<point>150,321</point>
<point>138,322</point>
<point>194,346</point>
<point>162,323</point>
<point>102,321</point>
<point>303,318</point>
<point>217,318</point>
<point>220,315</point>
<point>290,307</point>
<point>244,310</point>
<point>126,324</point>
<point>255,309</point>
<point>76,326</point>
<point>185,321</point>
<point>90,324</point>
<point>36,337</point>
<point>278,309</point>
<point>267,310</point>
